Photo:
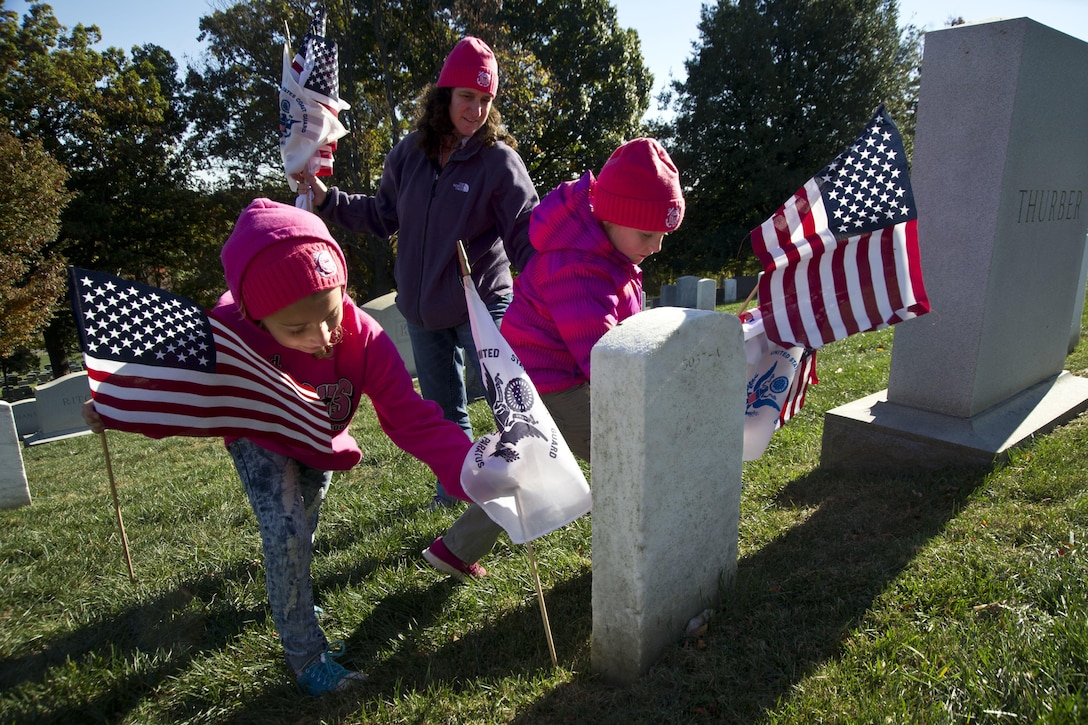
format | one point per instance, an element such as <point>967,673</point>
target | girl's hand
<point>91,417</point>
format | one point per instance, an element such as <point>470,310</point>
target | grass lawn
<point>955,596</point>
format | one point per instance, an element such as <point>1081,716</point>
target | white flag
<point>771,372</point>
<point>524,474</point>
<point>307,125</point>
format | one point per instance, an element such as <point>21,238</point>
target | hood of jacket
<point>564,220</point>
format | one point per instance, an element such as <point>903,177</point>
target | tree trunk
<point>57,335</point>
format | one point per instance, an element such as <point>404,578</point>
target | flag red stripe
<point>867,280</point>
<point>795,397</point>
<point>841,291</point>
<point>212,409</point>
<point>817,302</point>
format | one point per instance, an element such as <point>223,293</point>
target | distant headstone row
<point>702,293</point>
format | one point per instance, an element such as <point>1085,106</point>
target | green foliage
<point>231,98</point>
<point>113,122</point>
<point>20,360</point>
<point>591,85</point>
<point>32,280</point>
<point>776,89</point>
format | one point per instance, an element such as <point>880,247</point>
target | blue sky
<point>667,29</point>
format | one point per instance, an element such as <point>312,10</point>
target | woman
<point>457,176</point>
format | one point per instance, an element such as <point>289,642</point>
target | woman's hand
<point>307,183</point>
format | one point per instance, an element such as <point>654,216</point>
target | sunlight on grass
<point>923,597</point>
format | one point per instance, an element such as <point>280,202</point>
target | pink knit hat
<point>470,64</point>
<point>639,187</point>
<point>278,254</point>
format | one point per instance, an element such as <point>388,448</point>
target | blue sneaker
<point>323,674</point>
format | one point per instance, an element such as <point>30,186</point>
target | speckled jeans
<point>286,497</point>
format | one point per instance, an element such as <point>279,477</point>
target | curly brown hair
<point>434,124</point>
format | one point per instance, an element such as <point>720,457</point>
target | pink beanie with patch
<point>639,187</point>
<point>278,254</point>
<point>470,64</point>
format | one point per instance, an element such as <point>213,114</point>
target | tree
<point>776,89</point>
<point>31,282</point>
<point>113,122</point>
<point>591,86</point>
<point>572,87</point>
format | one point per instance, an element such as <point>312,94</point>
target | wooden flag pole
<point>540,600</point>
<point>466,271</point>
<point>539,590</point>
<point>751,294</point>
<point>462,256</point>
<point>117,506</point>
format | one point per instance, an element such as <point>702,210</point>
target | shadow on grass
<point>167,623</point>
<point>484,654</point>
<point>792,604</point>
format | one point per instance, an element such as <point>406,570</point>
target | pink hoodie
<point>365,362</point>
<point>573,290</point>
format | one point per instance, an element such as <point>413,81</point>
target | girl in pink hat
<point>457,176</point>
<point>287,300</point>
<point>591,235</point>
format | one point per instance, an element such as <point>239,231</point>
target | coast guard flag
<point>841,256</point>
<point>524,475</point>
<point>310,104</point>
<point>159,366</point>
<point>778,378</point>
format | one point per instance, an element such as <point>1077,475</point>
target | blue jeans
<point>440,368</point>
<point>286,498</point>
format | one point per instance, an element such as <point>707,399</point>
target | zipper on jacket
<point>423,248</point>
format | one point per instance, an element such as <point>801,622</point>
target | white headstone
<point>695,292</point>
<point>1000,178</point>
<point>60,404</point>
<point>666,479</point>
<point>729,290</point>
<point>687,291</point>
<point>384,310</point>
<point>706,293</point>
<point>14,491</point>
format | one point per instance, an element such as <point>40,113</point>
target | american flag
<point>317,59</point>
<point>310,103</point>
<point>841,256</point>
<point>158,365</point>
